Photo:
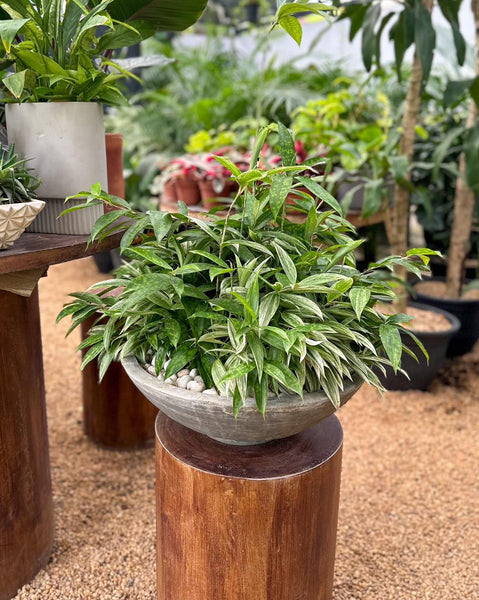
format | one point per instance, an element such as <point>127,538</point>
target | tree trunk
<point>400,209</point>
<point>463,201</point>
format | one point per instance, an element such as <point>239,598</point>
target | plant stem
<point>464,200</point>
<point>400,209</point>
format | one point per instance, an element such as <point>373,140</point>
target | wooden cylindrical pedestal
<point>26,507</point>
<point>247,522</point>
<point>115,413</point>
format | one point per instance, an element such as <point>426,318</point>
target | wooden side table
<point>247,522</point>
<point>26,507</point>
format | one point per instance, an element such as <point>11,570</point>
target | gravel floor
<point>409,514</point>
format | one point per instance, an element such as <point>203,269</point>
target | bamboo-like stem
<point>464,200</point>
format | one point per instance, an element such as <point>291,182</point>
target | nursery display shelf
<point>35,250</point>
<point>354,217</point>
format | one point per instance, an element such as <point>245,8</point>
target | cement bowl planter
<point>213,415</point>
<point>15,218</point>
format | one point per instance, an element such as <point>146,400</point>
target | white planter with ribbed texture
<point>65,142</point>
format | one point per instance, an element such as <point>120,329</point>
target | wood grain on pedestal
<point>26,511</point>
<point>247,522</point>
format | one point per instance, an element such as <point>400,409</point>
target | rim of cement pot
<point>213,415</point>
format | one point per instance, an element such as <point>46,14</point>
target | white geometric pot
<point>15,218</point>
<point>65,142</point>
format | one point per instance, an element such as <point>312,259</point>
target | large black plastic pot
<point>422,373</point>
<point>467,311</point>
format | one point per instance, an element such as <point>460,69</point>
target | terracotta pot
<point>169,191</point>
<point>114,163</point>
<point>188,191</point>
<point>209,196</point>
<point>213,415</point>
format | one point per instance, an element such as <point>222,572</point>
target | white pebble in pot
<point>184,381</point>
<point>194,386</point>
<point>182,372</point>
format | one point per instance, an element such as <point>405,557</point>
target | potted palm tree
<point>61,57</point>
<point>18,201</point>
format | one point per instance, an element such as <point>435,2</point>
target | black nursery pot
<point>422,373</point>
<point>467,311</point>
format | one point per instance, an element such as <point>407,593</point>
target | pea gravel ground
<point>409,513</point>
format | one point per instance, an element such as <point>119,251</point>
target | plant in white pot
<point>274,316</point>
<point>60,57</point>
<point>18,201</point>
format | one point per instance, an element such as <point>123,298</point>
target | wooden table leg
<point>247,522</point>
<point>26,507</point>
<point>115,413</point>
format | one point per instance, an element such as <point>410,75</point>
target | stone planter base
<point>250,522</point>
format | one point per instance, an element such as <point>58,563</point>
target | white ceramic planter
<point>65,142</point>
<point>213,415</point>
<point>15,218</point>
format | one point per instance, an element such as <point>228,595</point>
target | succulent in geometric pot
<point>18,203</point>
<point>273,316</point>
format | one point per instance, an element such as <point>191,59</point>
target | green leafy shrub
<point>62,49</point>
<point>254,300</point>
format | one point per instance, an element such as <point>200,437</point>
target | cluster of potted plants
<point>199,178</point>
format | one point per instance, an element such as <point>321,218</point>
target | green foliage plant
<point>62,49</point>
<point>354,128</point>
<point>410,27</point>
<point>17,184</point>
<point>256,302</point>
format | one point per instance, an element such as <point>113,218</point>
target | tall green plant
<point>410,27</point>
<point>61,49</point>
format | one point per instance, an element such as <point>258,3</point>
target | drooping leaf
<point>292,27</point>
<point>359,299</point>
<point>391,340</point>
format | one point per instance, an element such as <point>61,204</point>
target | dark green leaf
<point>180,358</point>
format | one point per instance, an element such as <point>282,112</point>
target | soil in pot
<point>188,191</point>
<point>433,293</point>
<point>434,328</point>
